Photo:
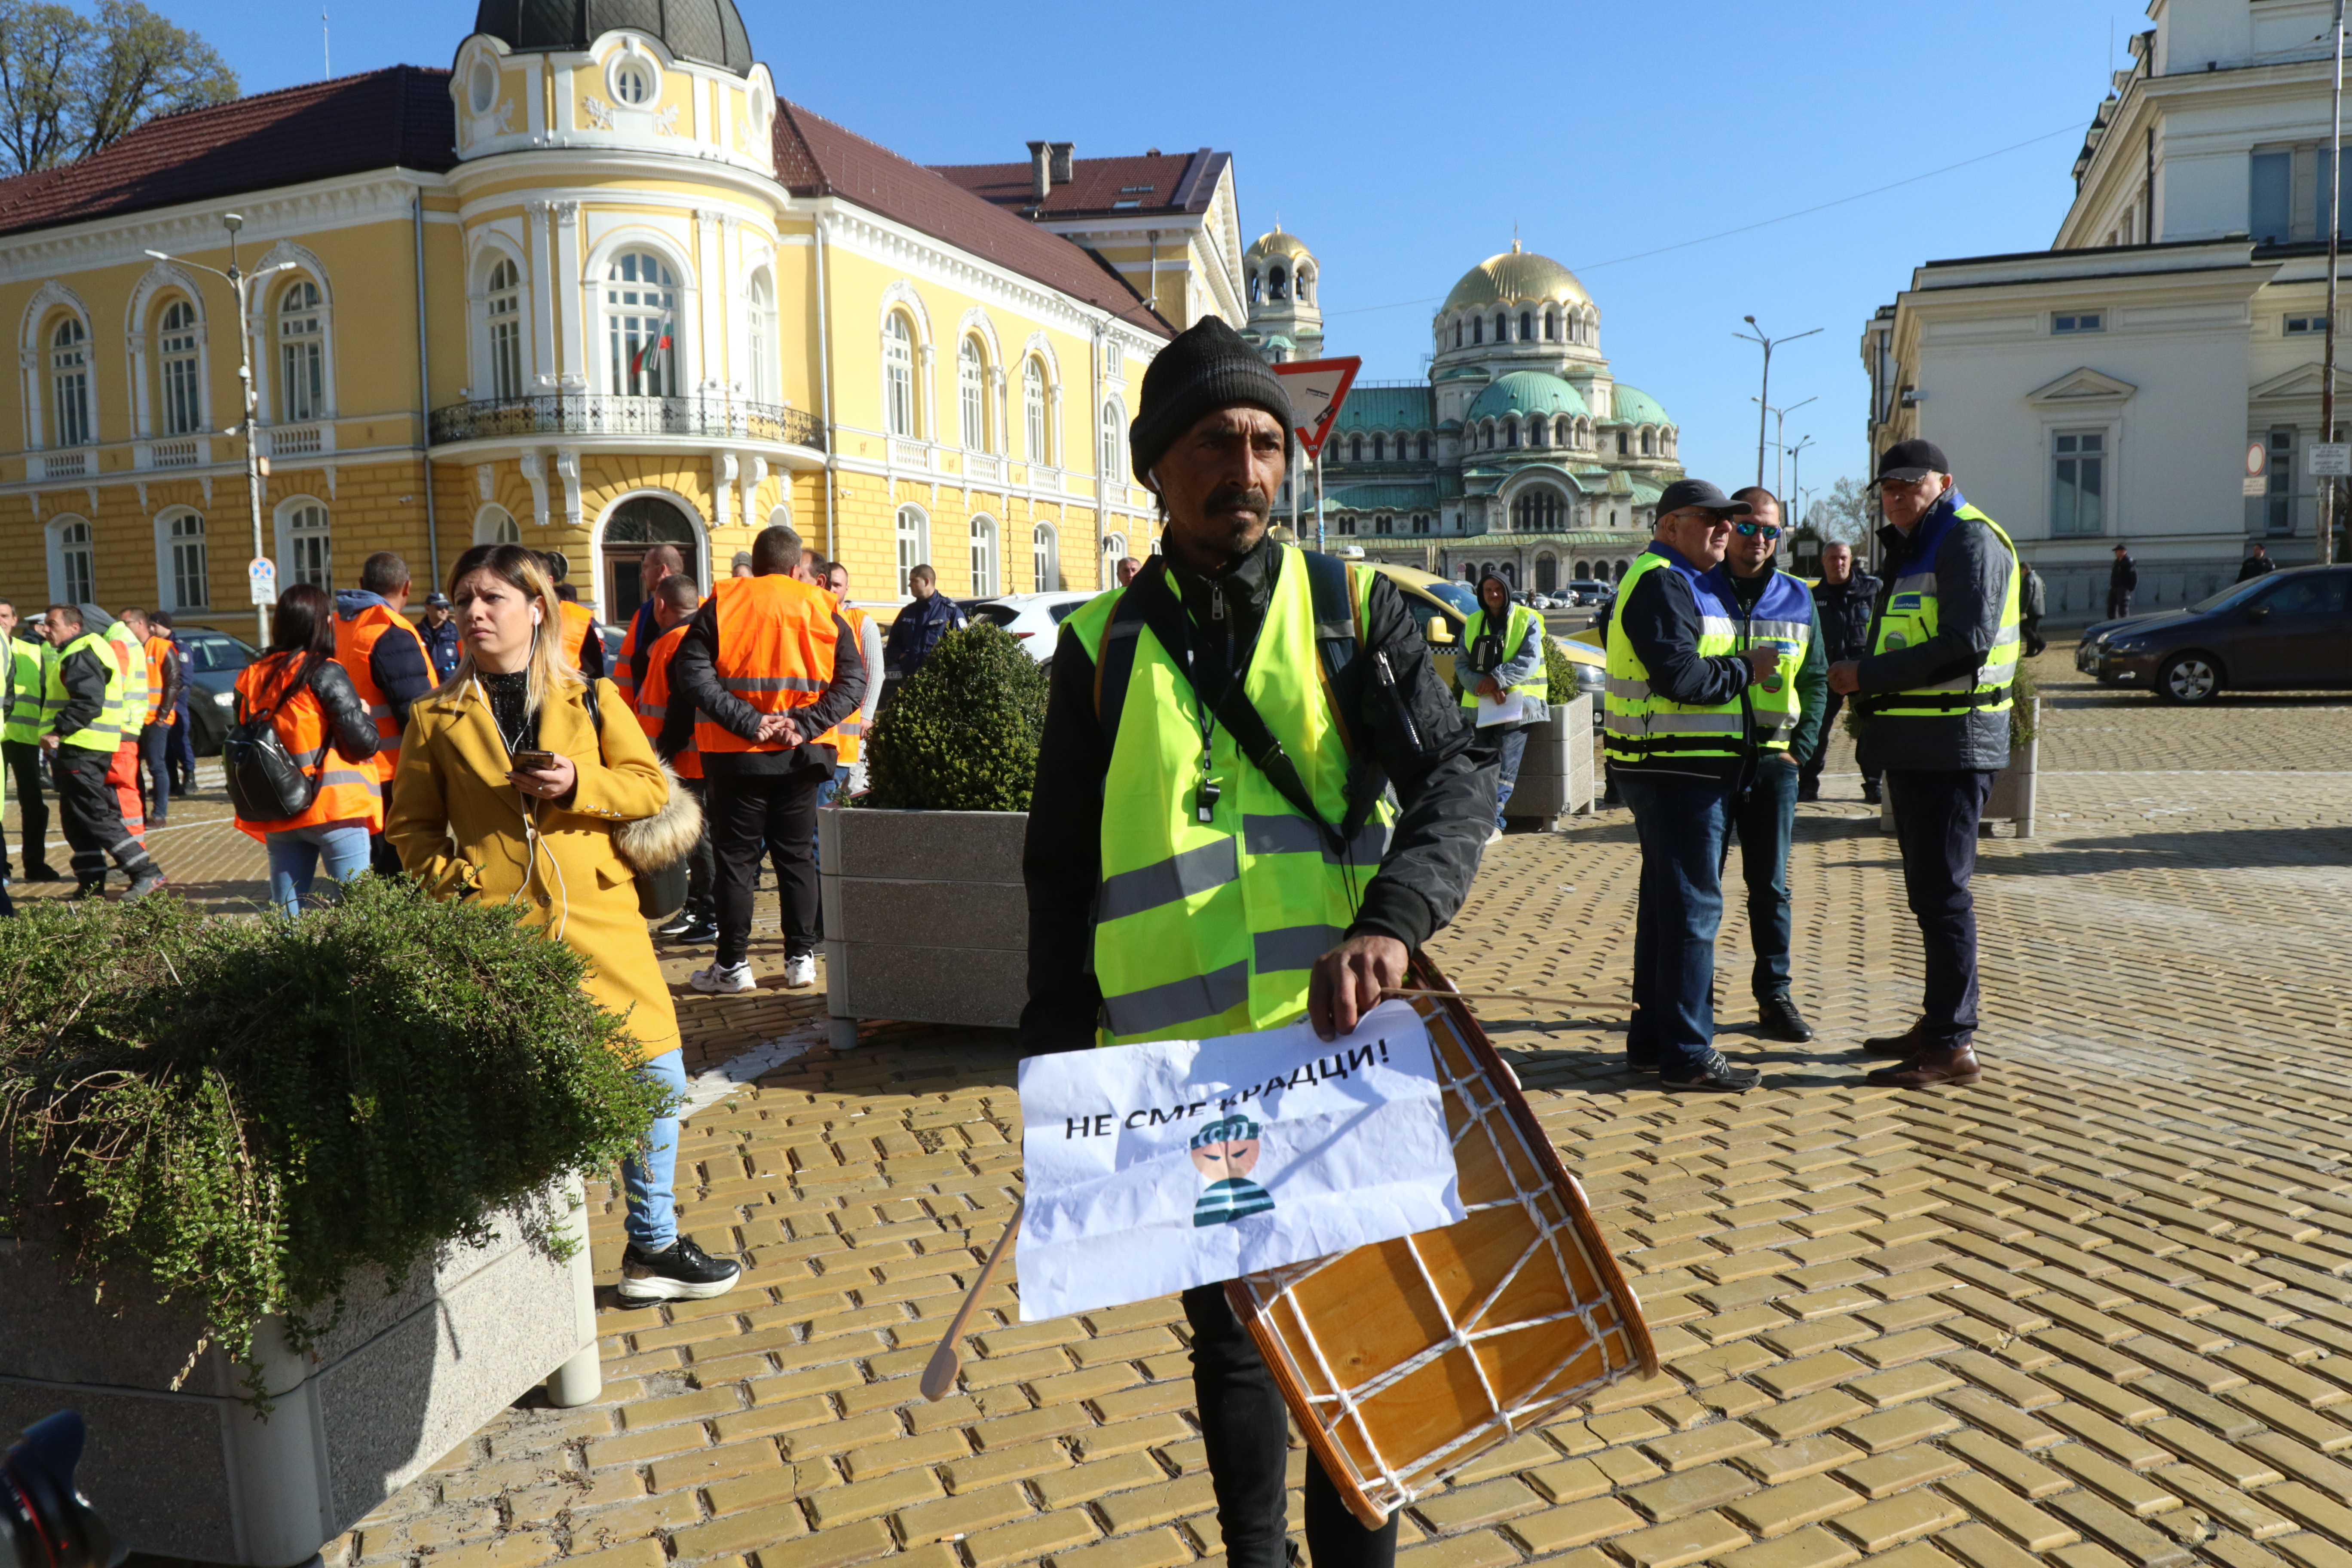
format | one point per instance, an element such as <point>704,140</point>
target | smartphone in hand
<point>531,762</point>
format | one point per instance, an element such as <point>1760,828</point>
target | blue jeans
<point>652,1220</point>
<point>295,854</point>
<point>1511,749</point>
<point>154,750</point>
<point>1764,820</point>
<point>1681,822</point>
<point>826,793</point>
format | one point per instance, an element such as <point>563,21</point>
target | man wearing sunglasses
<point>1935,696</point>
<point>1676,737</point>
<point>1772,610</point>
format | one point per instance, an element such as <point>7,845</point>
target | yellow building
<point>596,286</point>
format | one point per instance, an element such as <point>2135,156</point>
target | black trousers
<point>1808,775</point>
<point>382,858</point>
<point>1935,817</point>
<point>701,866</point>
<point>2119,602</point>
<point>1247,1427</point>
<point>770,814</point>
<point>23,760</point>
<point>92,816</point>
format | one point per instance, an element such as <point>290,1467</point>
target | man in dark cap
<point>1934,696</point>
<point>1240,706</point>
<point>439,632</point>
<point>2123,582</point>
<point>1679,751</point>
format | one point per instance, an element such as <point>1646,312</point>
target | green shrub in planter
<point>961,734</point>
<point>252,1112</point>
<point>1560,675</point>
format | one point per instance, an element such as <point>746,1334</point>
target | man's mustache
<point>1232,498</point>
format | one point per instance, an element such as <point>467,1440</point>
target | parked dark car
<point>214,660</point>
<point>2289,631</point>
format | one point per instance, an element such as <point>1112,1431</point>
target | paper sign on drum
<point>1154,1168</point>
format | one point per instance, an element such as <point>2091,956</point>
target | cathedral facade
<point>1520,452</point>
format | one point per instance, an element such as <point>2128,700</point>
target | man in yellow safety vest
<point>1210,850</point>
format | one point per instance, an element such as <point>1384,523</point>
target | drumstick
<point>940,1376</point>
<point>1501,996</point>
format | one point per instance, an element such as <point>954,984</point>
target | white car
<point>1035,618</point>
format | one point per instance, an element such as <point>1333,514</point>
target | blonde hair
<point>521,570</point>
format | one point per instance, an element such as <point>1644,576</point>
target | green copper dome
<point>1635,406</point>
<point>1527,392</point>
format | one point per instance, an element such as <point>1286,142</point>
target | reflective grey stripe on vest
<point>1294,947</point>
<point>1782,631</point>
<point>307,758</point>
<point>1271,834</point>
<point>379,709</point>
<point>1674,723</point>
<point>653,711</point>
<point>1158,1008</point>
<point>1917,583</point>
<point>2006,636</point>
<point>351,776</point>
<point>1169,881</point>
<point>769,683</point>
<point>1718,626</point>
<point>1630,687</point>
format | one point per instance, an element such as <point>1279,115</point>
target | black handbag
<point>264,782</point>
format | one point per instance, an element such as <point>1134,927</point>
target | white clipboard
<point>1511,709</point>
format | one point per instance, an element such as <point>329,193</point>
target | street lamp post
<point>1759,336</point>
<point>1796,489</point>
<point>240,283</point>
<point>2327,488</point>
<point>1780,443</point>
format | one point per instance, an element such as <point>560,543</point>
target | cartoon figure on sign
<point>1227,1153</point>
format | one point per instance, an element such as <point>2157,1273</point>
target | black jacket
<point>1445,784</point>
<point>2123,575</point>
<point>85,675</point>
<point>1846,609</point>
<point>917,629</point>
<point>693,674</point>
<point>1661,619</point>
<point>2256,567</point>
<point>349,728</point>
<point>1971,567</point>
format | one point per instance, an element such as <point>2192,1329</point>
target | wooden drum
<point>1403,1361</point>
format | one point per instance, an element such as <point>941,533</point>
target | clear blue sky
<point>1402,144</point>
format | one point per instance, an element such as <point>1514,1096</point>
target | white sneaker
<point>723,977</point>
<point>800,973</point>
<point>1495,836</point>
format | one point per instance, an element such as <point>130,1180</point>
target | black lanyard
<point>1204,799</point>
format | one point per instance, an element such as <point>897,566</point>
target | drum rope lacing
<point>1483,1110</point>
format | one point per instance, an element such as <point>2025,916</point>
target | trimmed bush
<point>1559,673</point>
<point>961,734</point>
<point>251,1113</point>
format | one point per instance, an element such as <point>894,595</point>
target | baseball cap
<point>436,600</point>
<point>1699,493</point>
<point>1908,462</point>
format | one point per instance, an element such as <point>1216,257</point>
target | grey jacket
<point>1971,568</point>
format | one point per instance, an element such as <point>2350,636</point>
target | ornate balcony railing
<point>609,414</point>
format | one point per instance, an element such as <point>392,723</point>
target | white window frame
<point>913,532</point>
<point>1032,412</point>
<point>627,328</point>
<point>1114,551</point>
<point>298,329</point>
<point>971,393</point>
<point>901,415</point>
<point>985,557</point>
<point>503,312</point>
<point>2105,455</point>
<point>1044,559</point>
<point>73,560</point>
<point>182,557</point>
<point>68,363</point>
<point>759,317</point>
<point>180,371</point>
<point>1109,447</point>
<point>494,524</point>
<point>2067,323</point>
<point>306,542</point>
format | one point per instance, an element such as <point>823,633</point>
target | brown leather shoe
<point>1953,1067</point>
<point>1912,1042</point>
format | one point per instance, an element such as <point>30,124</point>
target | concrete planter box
<point>2012,788</point>
<point>925,917</point>
<point>401,1381</point>
<point>1556,776</point>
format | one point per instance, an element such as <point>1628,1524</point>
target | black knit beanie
<point>1207,367</point>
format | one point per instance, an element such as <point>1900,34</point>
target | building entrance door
<point>636,524</point>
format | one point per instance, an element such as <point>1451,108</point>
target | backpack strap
<point>1337,632</point>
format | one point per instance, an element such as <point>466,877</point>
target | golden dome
<point>1278,243</point>
<point>1516,277</point>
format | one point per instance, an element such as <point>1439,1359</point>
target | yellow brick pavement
<point>2095,1310</point>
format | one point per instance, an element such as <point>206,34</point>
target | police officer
<point>439,635</point>
<point>29,657</point>
<point>1773,610</point>
<point>1139,923</point>
<point>773,665</point>
<point>1842,601</point>
<point>85,706</point>
<point>1934,695</point>
<point>1676,739</point>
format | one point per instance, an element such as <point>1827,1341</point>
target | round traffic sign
<point>2258,459</point>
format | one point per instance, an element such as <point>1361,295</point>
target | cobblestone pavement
<point>2095,1311</point>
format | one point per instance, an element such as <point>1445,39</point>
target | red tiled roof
<point>1162,183</point>
<point>815,157</point>
<point>400,116</point>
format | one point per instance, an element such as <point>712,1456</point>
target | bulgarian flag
<point>650,359</point>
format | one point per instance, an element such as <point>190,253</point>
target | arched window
<point>1348,523</point>
<point>1256,288</point>
<point>971,395</point>
<point>497,526</point>
<point>77,564</point>
<point>1648,442</point>
<point>1032,410</point>
<point>1547,574</point>
<point>1510,432</point>
<point>1583,571</point>
<point>1526,326</point>
<point>504,306</point>
<point>301,353</point>
<point>190,573</point>
<point>1045,560</point>
<point>70,382</point>
<point>898,374</point>
<point>1621,450</point>
<point>1551,326</point>
<point>1114,551</point>
<point>1477,329</point>
<point>1275,280</point>
<point>310,557</point>
<point>1502,326</point>
<point>983,558</point>
<point>1114,439</point>
<point>759,305</point>
<point>1539,510</point>
<point>1355,449</point>
<point>1424,446</point>
<point>179,388</point>
<point>1380,449</point>
<point>1421,522</point>
<point>640,311</point>
<point>1457,334</point>
<point>914,542</point>
<point>1384,524</point>
<point>629,530</point>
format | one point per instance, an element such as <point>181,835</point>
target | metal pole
<point>242,285</point>
<point>2335,225</point>
<point>1318,500</point>
<point>1764,409</point>
<point>424,408</point>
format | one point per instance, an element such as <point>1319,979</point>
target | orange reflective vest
<point>653,699</point>
<point>775,652</point>
<point>579,626</point>
<point>625,677</point>
<point>847,736</point>
<point>355,641</point>
<point>349,791</point>
<point>159,648</point>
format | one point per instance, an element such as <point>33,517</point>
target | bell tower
<point>1286,306</point>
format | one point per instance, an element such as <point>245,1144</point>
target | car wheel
<point>2189,679</point>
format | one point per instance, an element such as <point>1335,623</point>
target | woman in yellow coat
<point>510,792</point>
